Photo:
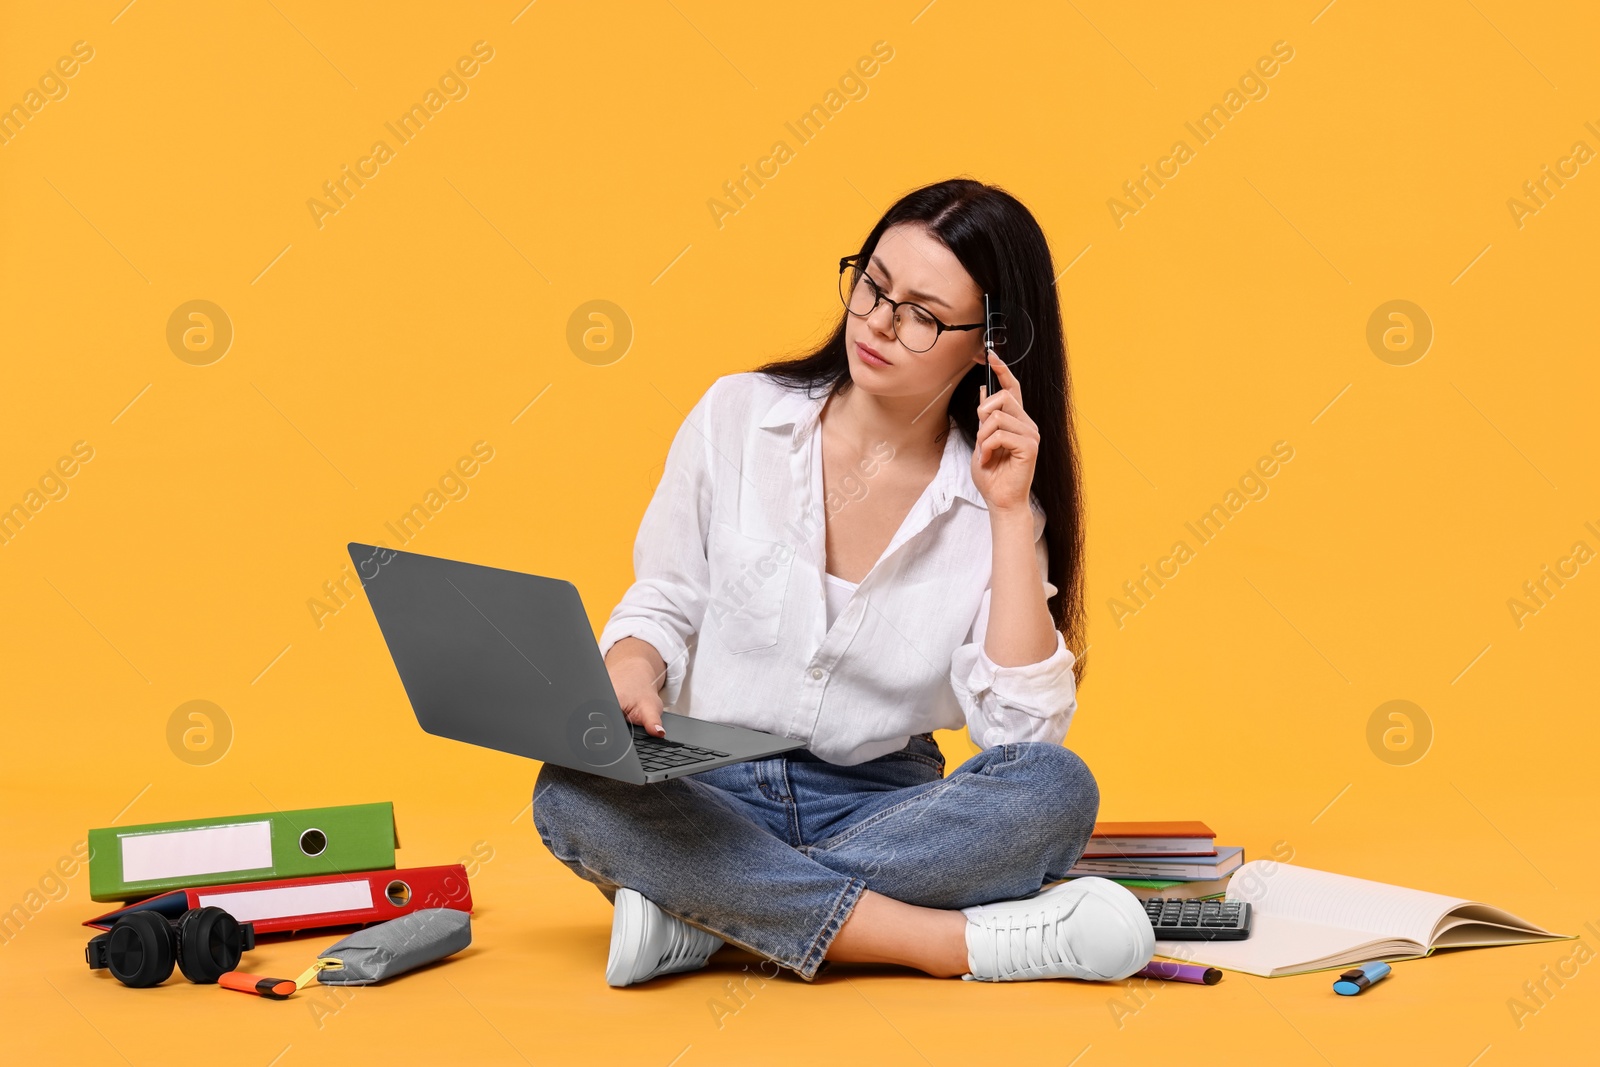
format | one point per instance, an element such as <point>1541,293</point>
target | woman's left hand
<point>1007,445</point>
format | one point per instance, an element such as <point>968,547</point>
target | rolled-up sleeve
<point>666,603</point>
<point>1030,702</point>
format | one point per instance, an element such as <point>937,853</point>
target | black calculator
<point>1199,920</point>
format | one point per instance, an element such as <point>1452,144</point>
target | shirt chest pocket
<point>749,580</point>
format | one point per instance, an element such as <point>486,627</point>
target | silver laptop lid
<point>499,659</point>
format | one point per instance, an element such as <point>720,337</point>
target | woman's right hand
<point>637,671</point>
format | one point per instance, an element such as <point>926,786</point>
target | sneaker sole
<point>627,933</point>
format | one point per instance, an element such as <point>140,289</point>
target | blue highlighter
<point>1361,978</point>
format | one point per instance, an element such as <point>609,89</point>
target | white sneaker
<point>1089,928</point>
<point>647,942</point>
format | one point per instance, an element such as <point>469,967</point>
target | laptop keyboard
<point>659,754</point>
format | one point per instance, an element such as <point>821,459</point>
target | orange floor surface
<point>531,987</point>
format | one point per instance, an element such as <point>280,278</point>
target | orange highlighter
<point>275,988</point>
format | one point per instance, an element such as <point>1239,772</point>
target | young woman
<point>855,548</point>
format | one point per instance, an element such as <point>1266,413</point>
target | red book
<point>317,902</point>
<point>1120,840</point>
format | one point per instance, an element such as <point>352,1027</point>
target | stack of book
<point>1172,860</point>
<point>284,871</point>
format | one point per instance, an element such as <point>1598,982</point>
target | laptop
<point>508,661</point>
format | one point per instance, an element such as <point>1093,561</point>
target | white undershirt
<point>839,592</point>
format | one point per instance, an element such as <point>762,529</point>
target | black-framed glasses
<point>914,326</point>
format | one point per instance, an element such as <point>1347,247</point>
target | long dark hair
<point>1002,247</point>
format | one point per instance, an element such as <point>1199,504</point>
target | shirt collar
<point>796,408</point>
<point>801,412</point>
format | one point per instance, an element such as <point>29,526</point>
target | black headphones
<point>141,946</point>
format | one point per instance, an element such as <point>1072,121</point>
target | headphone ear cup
<point>139,953</point>
<point>210,943</point>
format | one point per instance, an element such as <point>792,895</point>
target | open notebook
<point>1308,920</point>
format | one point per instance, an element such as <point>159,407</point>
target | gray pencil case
<point>395,947</point>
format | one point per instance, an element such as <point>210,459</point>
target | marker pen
<point>1181,972</point>
<point>1361,978</point>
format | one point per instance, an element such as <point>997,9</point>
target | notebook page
<point>1479,924</point>
<point>1340,901</point>
<point>1279,944</point>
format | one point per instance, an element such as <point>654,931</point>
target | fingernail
<point>661,730</point>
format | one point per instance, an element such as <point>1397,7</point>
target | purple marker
<point>1181,972</point>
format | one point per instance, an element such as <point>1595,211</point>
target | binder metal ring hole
<point>399,893</point>
<point>313,842</point>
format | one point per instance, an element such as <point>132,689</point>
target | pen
<point>1181,972</point>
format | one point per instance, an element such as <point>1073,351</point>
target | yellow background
<point>369,354</point>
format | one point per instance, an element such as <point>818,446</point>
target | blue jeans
<point>772,855</point>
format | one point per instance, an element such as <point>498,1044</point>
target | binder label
<point>290,901</point>
<point>245,846</point>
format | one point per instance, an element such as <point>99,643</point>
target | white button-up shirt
<point>729,587</point>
